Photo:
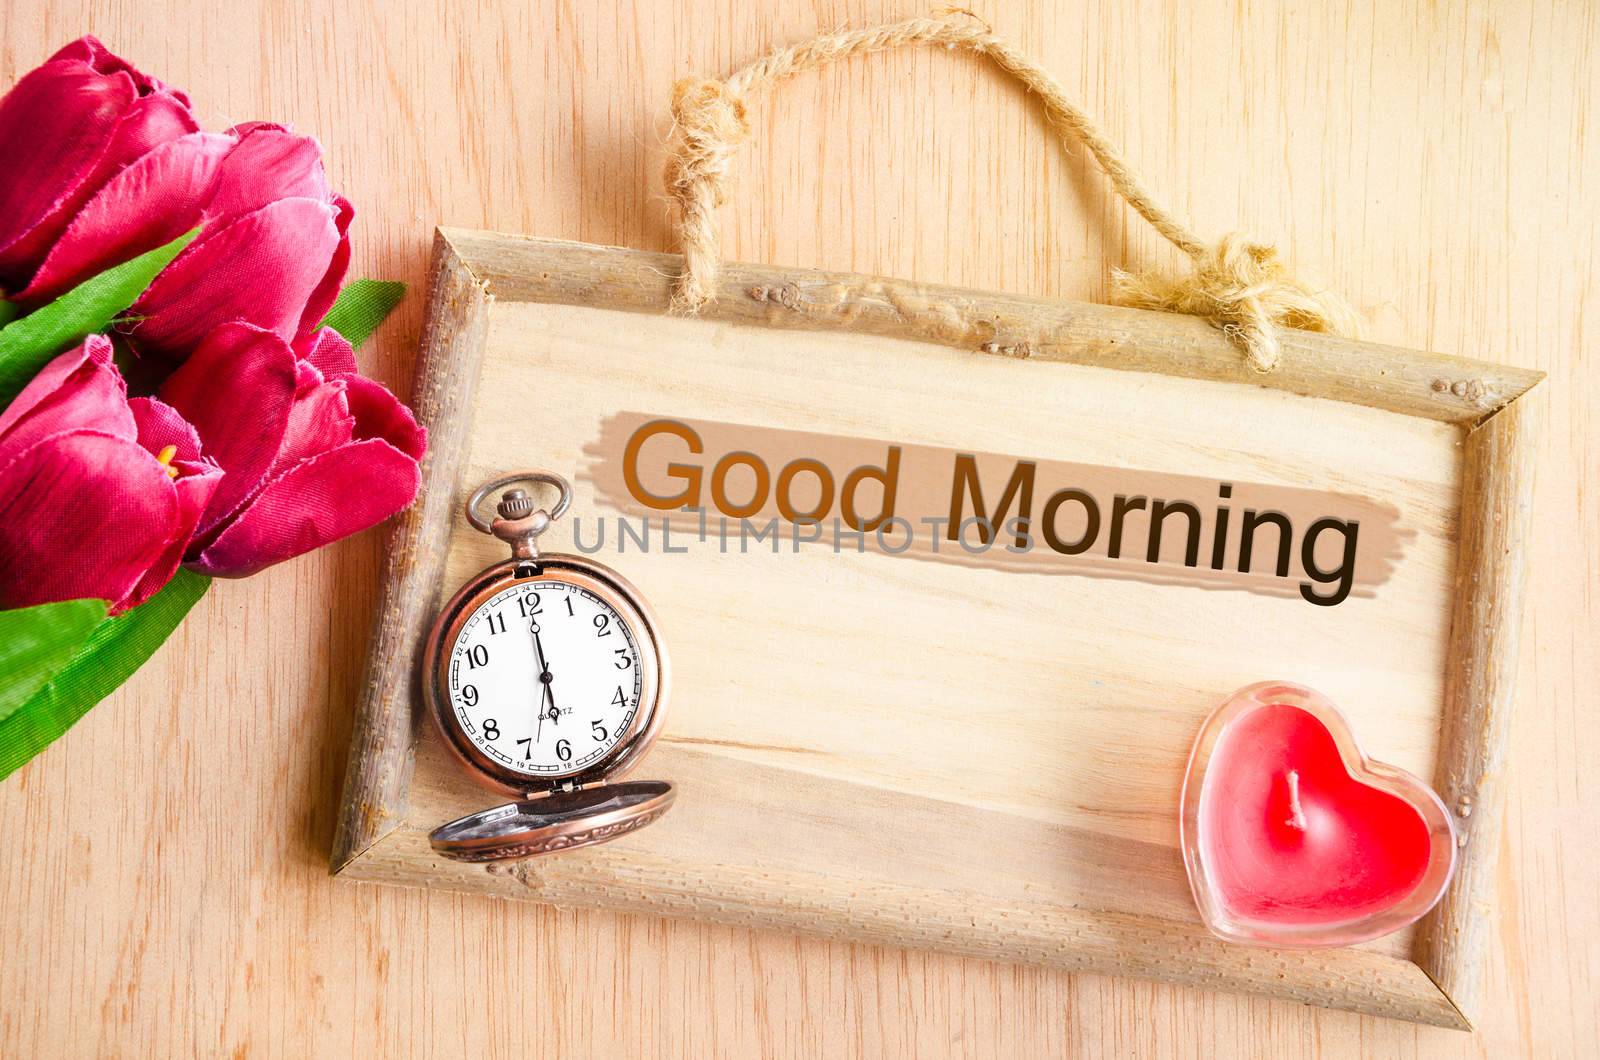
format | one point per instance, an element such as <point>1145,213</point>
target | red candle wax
<point>1289,834</point>
<point>1293,837</point>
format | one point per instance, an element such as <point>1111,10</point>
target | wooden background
<point>164,874</point>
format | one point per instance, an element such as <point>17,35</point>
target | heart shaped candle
<point>1293,837</point>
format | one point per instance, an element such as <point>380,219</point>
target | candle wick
<point>1297,815</point>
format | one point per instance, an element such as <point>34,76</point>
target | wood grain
<point>1431,162</point>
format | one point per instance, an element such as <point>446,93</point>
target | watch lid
<point>561,820</point>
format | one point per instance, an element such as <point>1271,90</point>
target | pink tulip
<point>312,451</point>
<point>99,495</point>
<point>272,251</point>
<point>103,163</point>
<point>67,127</point>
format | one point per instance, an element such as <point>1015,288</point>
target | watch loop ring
<point>485,524</point>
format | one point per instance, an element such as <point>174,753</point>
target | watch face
<point>545,678</point>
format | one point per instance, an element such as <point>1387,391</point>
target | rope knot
<point>710,123</point>
<point>1245,290</point>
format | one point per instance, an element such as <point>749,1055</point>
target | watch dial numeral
<point>469,695</point>
<point>623,662</point>
<point>529,605</point>
<point>568,602</point>
<point>598,730</point>
<point>491,728</point>
<point>602,625</point>
<point>497,623</point>
<point>477,655</point>
<point>564,750</point>
<point>526,743</point>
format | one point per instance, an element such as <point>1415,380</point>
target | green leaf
<point>35,642</point>
<point>113,651</point>
<point>28,344</point>
<point>361,307</point>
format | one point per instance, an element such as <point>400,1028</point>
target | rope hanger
<point>1240,286</point>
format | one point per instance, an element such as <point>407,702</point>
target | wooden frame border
<point>1496,405</point>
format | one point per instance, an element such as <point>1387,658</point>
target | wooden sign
<point>892,722</point>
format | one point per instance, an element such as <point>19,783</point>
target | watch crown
<point>515,504</point>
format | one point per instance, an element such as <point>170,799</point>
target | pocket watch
<point>547,679</point>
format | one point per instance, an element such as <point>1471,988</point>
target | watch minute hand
<point>538,647</point>
<point>544,678</point>
<point>544,682</point>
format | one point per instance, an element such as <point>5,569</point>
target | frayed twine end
<point>1244,290</point>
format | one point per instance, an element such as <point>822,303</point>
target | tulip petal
<point>194,478</point>
<point>68,126</point>
<point>268,163</point>
<point>236,389</point>
<point>260,269</point>
<point>161,425</point>
<point>321,500</point>
<point>326,292</point>
<point>245,128</point>
<point>379,414</point>
<point>56,123</point>
<point>88,49</point>
<point>79,390</point>
<point>146,205</point>
<point>82,514</point>
<point>327,351</point>
<point>320,420</point>
<point>193,489</point>
<point>150,122</point>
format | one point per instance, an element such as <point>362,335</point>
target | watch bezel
<point>618,593</point>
